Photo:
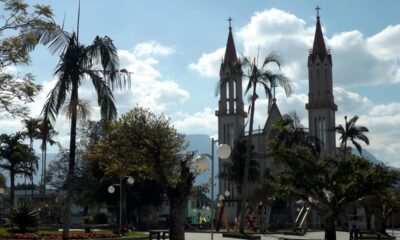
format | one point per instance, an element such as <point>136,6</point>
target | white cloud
<point>209,63</point>
<point>385,43</point>
<point>149,88</point>
<point>152,48</point>
<point>350,103</point>
<point>356,61</point>
<point>198,122</point>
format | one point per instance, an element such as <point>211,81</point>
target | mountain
<point>201,144</point>
<point>366,155</point>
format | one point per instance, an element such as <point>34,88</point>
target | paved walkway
<point>310,235</point>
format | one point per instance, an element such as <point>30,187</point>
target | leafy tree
<point>233,170</point>
<point>143,145</point>
<point>350,131</point>
<point>178,194</point>
<point>264,77</point>
<point>17,19</point>
<point>328,185</point>
<point>15,157</point>
<point>385,202</point>
<point>78,63</point>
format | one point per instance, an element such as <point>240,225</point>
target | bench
<point>158,234</point>
<point>373,235</point>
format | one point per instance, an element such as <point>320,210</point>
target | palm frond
<point>272,58</point>
<point>55,100</point>
<point>105,98</point>
<point>51,35</point>
<point>358,146</point>
<point>103,51</point>
<point>83,109</point>
<point>363,138</point>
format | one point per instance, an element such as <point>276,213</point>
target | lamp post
<point>111,189</point>
<point>224,151</point>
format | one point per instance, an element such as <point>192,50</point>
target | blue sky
<point>174,49</point>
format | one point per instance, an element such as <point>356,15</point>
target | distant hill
<point>201,143</point>
<point>366,155</point>
<point>370,157</point>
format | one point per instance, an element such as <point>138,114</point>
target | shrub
<point>100,218</point>
<point>24,215</point>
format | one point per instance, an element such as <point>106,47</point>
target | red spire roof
<point>230,51</point>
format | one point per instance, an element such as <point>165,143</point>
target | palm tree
<point>353,133</point>
<point>31,131</point>
<point>268,80</point>
<point>78,63</point>
<point>292,134</point>
<point>233,170</point>
<point>46,134</point>
<point>15,156</point>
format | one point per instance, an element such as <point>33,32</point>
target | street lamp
<point>111,189</point>
<point>223,151</point>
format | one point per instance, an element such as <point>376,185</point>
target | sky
<point>174,48</point>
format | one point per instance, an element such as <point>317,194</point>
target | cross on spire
<point>230,22</point>
<point>317,9</point>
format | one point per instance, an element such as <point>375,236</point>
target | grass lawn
<point>136,234</point>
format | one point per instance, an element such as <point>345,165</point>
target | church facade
<point>231,115</point>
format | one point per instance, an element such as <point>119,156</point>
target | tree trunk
<point>247,162</point>
<point>178,198</point>
<point>368,215</point>
<point>123,205</point>
<point>32,188</point>
<point>177,219</point>
<point>71,163</point>
<point>383,226</point>
<point>330,230</point>
<point>44,166</point>
<point>12,185</point>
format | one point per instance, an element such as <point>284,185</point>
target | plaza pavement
<point>310,235</point>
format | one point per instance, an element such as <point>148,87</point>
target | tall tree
<point>15,156</point>
<point>351,131</point>
<point>31,131</point>
<point>267,79</point>
<point>233,170</point>
<point>46,135</point>
<point>17,19</point>
<point>78,63</point>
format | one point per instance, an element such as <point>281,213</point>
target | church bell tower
<point>321,106</point>
<point>230,113</point>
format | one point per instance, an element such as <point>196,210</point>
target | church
<point>231,114</point>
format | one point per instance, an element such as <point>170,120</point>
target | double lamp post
<point>223,151</point>
<point>111,189</point>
